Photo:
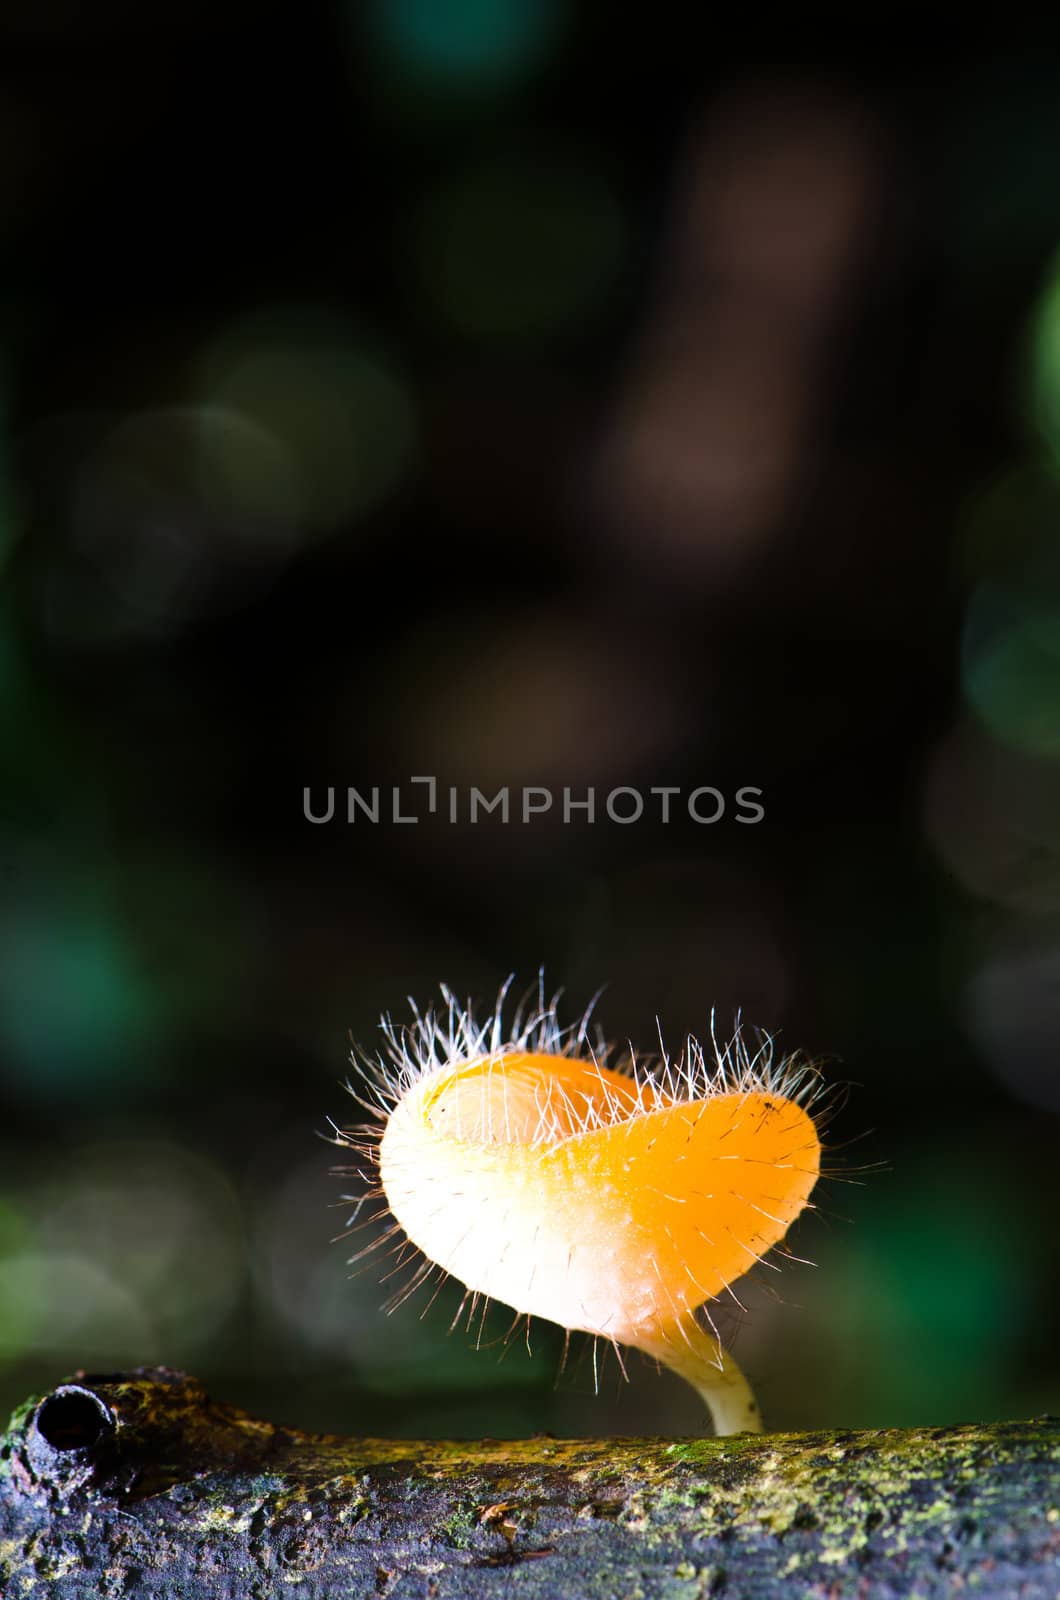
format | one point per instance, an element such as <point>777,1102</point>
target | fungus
<point>610,1195</point>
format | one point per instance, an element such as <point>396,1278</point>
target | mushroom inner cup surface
<point>523,1099</point>
<point>567,1191</point>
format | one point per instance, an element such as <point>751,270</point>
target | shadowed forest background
<point>517,395</point>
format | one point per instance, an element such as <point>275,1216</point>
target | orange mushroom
<point>616,1200</point>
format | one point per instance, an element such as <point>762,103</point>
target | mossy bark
<point>139,1484</point>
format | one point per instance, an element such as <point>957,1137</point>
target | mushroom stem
<point>699,1358</point>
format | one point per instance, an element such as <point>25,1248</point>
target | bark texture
<point>139,1484</point>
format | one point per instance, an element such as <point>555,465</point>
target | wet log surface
<point>140,1484</point>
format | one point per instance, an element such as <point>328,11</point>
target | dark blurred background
<point>502,391</point>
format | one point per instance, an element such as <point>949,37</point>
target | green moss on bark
<point>139,1484</point>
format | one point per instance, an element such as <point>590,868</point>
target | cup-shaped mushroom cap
<point>601,1201</point>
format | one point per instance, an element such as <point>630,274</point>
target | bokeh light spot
<point>1010,647</point>
<point>1007,524</point>
<point>131,1250</point>
<point>1045,361</point>
<point>465,42</point>
<point>336,402</point>
<point>520,246</point>
<point>66,1308</point>
<point>160,518</point>
<point>76,1011</point>
<point>992,815</point>
<point>160,1219</point>
<point>1013,1011</point>
<point>938,1288</point>
<point>1011,673</point>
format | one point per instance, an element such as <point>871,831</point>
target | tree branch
<point>140,1485</point>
